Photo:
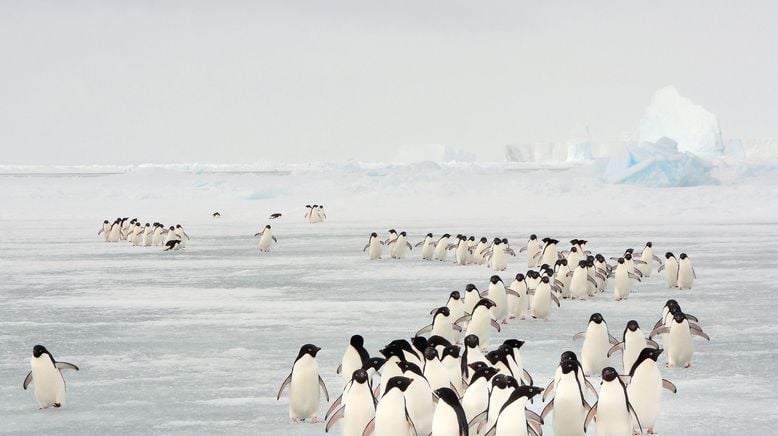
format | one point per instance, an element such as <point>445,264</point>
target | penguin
<point>671,270</point>
<point>550,254</point>
<point>354,357</point>
<point>476,397</point>
<point>304,382</point>
<point>148,233</point>
<point>533,249</point>
<point>373,367</point>
<point>357,409</point>
<point>105,230</point>
<point>561,279</point>
<point>497,293</point>
<point>450,358</point>
<point>480,322</point>
<point>115,233</point>
<point>181,234</point>
<point>170,235</point>
<point>648,257</point>
<point>266,238</point>
<point>309,213</point>
<point>622,283</point>
<point>478,251</point>
<point>511,348</point>
<point>449,417</point>
<point>173,245</point>
<point>612,411</point>
<point>569,405</point>
<point>275,216</point>
<point>503,386</point>
<point>374,244</point>
<point>158,238</point>
<point>512,418</point>
<point>594,353</point>
<point>456,307</point>
<point>46,374</point>
<point>320,213</point>
<point>518,304</point>
<point>419,399</point>
<point>471,244</point>
<point>393,355</point>
<point>216,215</point>
<point>645,385</point>
<point>434,371</point>
<point>678,341</point>
<point>686,274</point>
<point>632,343</point>
<point>392,236</point>
<point>441,248</point>
<point>315,215</point>
<point>442,325</point>
<point>462,253</point>
<point>498,257</point>
<point>568,355</point>
<point>391,414</point>
<point>542,298</point>
<point>399,245</point>
<point>602,271</point>
<point>472,296</point>
<point>427,247</point>
<point>471,354</point>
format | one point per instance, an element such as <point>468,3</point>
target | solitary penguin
<point>105,230</point>
<point>266,238</point>
<point>304,382</point>
<point>46,373</point>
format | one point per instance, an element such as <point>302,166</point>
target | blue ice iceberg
<point>658,164</point>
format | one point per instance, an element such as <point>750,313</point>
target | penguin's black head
<point>178,226</point>
<point>544,266</point>
<point>105,222</point>
<point>359,376</point>
<point>649,244</point>
<point>632,325</point>
<point>500,381</point>
<point>447,395</point>
<point>525,391</point>
<point>546,240</point>
<point>513,343</point>
<point>668,255</point>
<point>533,274</point>
<point>392,231</point>
<point>454,295</point>
<point>147,225</point>
<point>599,258</point>
<point>315,205</point>
<point>481,369</point>
<point>403,234</point>
<point>495,356</point>
<point>172,228</point>
<point>309,349</point>
<point>513,383</point>
<point>470,287</point>
<point>628,256</point>
<point>563,262</point>
<point>429,235</point>
<point>497,241</point>
<point>568,366</point>
<point>679,317</point>
<point>505,240</point>
<point>484,240</point>
<point>38,350</point>
<point>673,309</point>
<point>568,355</point>
<point>650,353</point>
<point>582,241</point>
<point>590,263</point>
<point>471,341</point>
<point>596,318</point>
<point>375,363</point>
<point>392,351</point>
<point>410,367</point>
<point>436,340</point>
<point>671,302</point>
<point>629,250</point>
<point>446,235</point>
<point>430,353</point>
<point>573,242</point>
<point>402,344</point>
<point>533,237</point>
<point>683,256</point>
<point>621,260</point>
<point>443,311</point>
<point>495,279</point>
<point>398,382</point>
<point>544,279</point>
<point>267,226</point>
<point>374,235</point>
<point>308,206</point>
<point>471,239</point>
<point>451,350</point>
<point>420,343</point>
<point>487,303</point>
<point>477,366</point>
<point>321,206</point>
<point>582,264</point>
<point>357,341</point>
<point>609,374</point>
<point>519,277</point>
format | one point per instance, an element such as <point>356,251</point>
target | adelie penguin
<point>304,383</point>
<point>357,409</point>
<point>513,418</point>
<point>274,216</point>
<point>374,246</point>
<point>391,415</point>
<point>686,274</point>
<point>678,341</point>
<point>597,342</point>
<point>398,246</point>
<point>449,417</point>
<point>612,412</point>
<point>427,247</point>
<point>645,387</point>
<point>266,238</point>
<point>671,270</point>
<point>46,377</point>
<point>216,215</point>
<point>353,358</point>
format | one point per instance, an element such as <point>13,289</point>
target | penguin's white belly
<point>358,412</point>
<point>569,414</point>
<point>644,393</point>
<point>304,393</point>
<point>351,362</point>
<point>500,298</point>
<point>679,345</point>
<point>622,284</point>
<point>594,354</point>
<point>440,250</point>
<point>427,250</point>
<point>685,276</point>
<point>115,235</point>
<point>671,274</point>
<point>499,259</point>
<point>444,328</point>
<point>645,268</point>
<point>512,421</point>
<point>632,348</point>
<point>579,284</point>
<point>444,422</point>
<point>48,384</point>
<point>475,400</point>
<point>374,251</point>
<point>613,418</point>
<point>533,251</point>
<point>479,325</point>
<point>541,304</point>
<point>418,400</point>
<point>391,421</point>
<point>265,241</point>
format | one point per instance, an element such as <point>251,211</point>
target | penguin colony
<point>315,214</point>
<point>148,235</point>
<point>449,379</point>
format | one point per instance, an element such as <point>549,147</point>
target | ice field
<point>198,341</point>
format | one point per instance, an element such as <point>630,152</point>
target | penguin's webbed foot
<point>57,405</point>
<point>315,420</point>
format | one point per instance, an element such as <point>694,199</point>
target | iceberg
<point>691,126</point>
<point>658,164</point>
<point>432,153</point>
<point>579,151</point>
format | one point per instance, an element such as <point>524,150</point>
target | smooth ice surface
<point>198,341</point>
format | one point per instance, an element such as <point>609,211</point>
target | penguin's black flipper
<point>65,365</point>
<point>284,385</point>
<point>546,410</point>
<point>27,380</point>
<point>274,239</point>
<point>323,388</point>
<point>667,384</point>
<point>334,418</point>
<point>590,416</point>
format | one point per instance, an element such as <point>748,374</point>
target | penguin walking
<point>579,282</point>
<point>158,238</point>
<point>569,405</point>
<point>645,387</point>
<point>105,230</point>
<point>148,232</point>
<point>398,246</point>
<point>357,409</point>
<point>462,253</point>
<point>304,383</point>
<point>542,297</point>
<point>612,412</point>
<point>519,304</point>
<point>449,417</point>
<point>550,253</point>
<point>479,250</point>
<point>597,340</point>
<point>472,297</point>
<point>476,398</point>
<point>623,277</point>
<point>266,238</point>
<point>45,373</point>
<point>568,355</point>
<point>480,321</point>
<point>353,358</point>
<point>648,257</point>
<point>391,415</point>
<point>427,247</point>
<point>632,343</point>
<point>497,293</point>
<point>512,418</point>
<point>472,354</point>
<point>115,233</point>
<point>533,249</point>
<point>181,234</point>
<point>686,274</point>
<point>678,341</point>
<point>392,236</point>
<point>419,399</point>
<point>441,248</point>
<point>671,270</point>
<point>374,245</point>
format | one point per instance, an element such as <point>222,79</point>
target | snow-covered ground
<point>198,341</point>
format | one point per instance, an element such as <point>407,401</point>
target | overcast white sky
<point>231,81</point>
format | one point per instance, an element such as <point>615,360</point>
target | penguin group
<point>148,235</point>
<point>315,214</point>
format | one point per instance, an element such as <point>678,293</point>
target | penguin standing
<point>648,257</point>
<point>622,282</point>
<point>678,341</point>
<point>497,293</point>
<point>594,353</point>
<point>115,233</point>
<point>434,371</point>
<point>45,373</point>
<point>353,358</point>
<point>418,398</point>
<point>442,325</point>
<point>472,354</point>
<point>686,274</point>
<point>392,236</point>
<point>427,247</point>
<point>476,398</point>
<point>478,251</point>
<point>158,238</point>
<point>148,233</point>
<point>519,305</point>
<point>399,245</point>
<point>561,279</point>
<point>632,343</point>
<point>449,418</point>
<point>391,414</point>
<point>533,249</point>
<point>304,382</point>
<point>645,387</point>
<point>612,411</point>
<point>358,408</point>
<point>374,245</point>
<point>569,405</point>
<point>550,254</point>
<point>481,321</point>
<point>462,253</point>
<point>579,282</point>
<point>181,234</point>
<point>512,417</point>
<point>671,270</point>
<point>542,299</point>
<point>472,297</point>
<point>441,248</point>
<point>105,230</point>
<point>266,238</point>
